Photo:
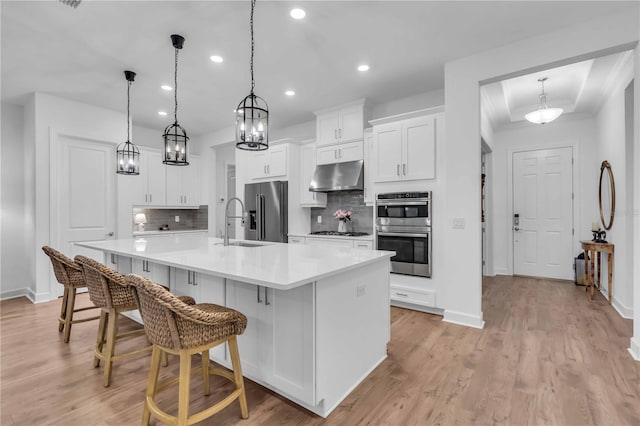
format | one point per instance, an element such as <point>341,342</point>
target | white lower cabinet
<point>278,345</point>
<point>122,264</point>
<point>153,271</point>
<point>332,242</point>
<point>204,289</point>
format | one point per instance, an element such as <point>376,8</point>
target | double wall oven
<point>403,225</point>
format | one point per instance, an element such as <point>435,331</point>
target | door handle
<point>339,133</point>
<point>266,297</point>
<point>340,153</point>
<point>146,198</point>
<point>110,234</point>
<point>335,154</point>
<point>188,277</point>
<point>516,229</point>
<point>151,198</point>
<point>193,278</point>
<point>398,169</point>
<point>258,290</point>
<point>268,168</point>
<point>113,259</point>
<point>404,169</point>
<point>335,133</point>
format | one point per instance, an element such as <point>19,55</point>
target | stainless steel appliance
<point>348,176</point>
<point>403,225</point>
<point>266,204</point>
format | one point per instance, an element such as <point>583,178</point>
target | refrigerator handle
<point>258,217</point>
<point>263,233</point>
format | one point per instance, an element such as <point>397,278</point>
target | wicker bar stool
<point>109,291</point>
<point>69,274</point>
<point>178,328</point>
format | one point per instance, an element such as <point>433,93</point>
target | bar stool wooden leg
<point>152,384</point>
<point>610,271</point>
<point>100,337</point>
<point>237,374</point>
<point>205,372</point>
<point>112,332</point>
<point>183,389</point>
<point>71,300</point>
<point>63,310</point>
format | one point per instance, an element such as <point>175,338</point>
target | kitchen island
<point>318,317</point>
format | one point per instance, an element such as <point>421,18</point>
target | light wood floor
<point>546,356</point>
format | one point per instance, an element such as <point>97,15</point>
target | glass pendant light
<point>543,114</point>
<point>175,137</point>
<point>127,154</point>
<point>252,113</point>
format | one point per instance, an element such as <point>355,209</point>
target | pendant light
<point>252,113</point>
<point>175,137</point>
<point>127,154</point>
<point>543,114</point>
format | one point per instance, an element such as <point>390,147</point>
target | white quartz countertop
<point>341,237</point>
<point>170,232</point>
<point>274,265</point>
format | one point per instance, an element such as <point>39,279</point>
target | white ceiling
<point>578,88</point>
<point>81,53</point>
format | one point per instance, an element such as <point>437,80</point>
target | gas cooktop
<point>341,234</point>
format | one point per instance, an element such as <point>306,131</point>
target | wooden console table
<point>591,251</point>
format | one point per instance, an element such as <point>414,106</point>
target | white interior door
<point>543,203</point>
<point>85,194</point>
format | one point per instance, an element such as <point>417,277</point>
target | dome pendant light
<point>252,113</point>
<point>175,137</point>
<point>543,114</point>
<point>127,154</point>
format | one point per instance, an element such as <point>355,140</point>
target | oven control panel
<point>403,195</point>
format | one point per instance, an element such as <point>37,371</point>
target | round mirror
<point>607,195</point>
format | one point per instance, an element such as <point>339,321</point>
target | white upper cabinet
<point>369,191</point>
<point>183,184</point>
<point>404,150</point>
<point>307,168</point>
<point>340,124</point>
<point>155,179</point>
<point>271,163</point>
<point>148,188</point>
<point>340,153</point>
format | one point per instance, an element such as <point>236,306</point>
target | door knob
<point>516,229</point>
<point>110,234</point>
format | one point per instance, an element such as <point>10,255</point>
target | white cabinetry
<point>404,150</point>
<point>278,345</point>
<point>341,124</point>
<point>183,184</point>
<point>332,242</point>
<point>122,264</point>
<point>307,168</point>
<point>153,271</point>
<point>271,163</point>
<point>147,189</point>
<point>369,187</point>
<point>340,153</point>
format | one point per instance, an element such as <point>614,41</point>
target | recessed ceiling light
<point>216,58</point>
<point>289,93</point>
<point>162,113</point>
<point>297,13</point>
<point>363,67</point>
<point>165,87</point>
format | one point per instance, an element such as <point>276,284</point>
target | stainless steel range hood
<point>348,176</point>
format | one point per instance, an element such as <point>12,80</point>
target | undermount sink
<point>244,244</point>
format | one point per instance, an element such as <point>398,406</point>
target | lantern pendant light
<point>175,137</point>
<point>127,154</point>
<point>252,113</point>
<point>543,114</point>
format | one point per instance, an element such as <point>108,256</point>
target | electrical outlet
<point>319,219</point>
<point>458,223</point>
<point>360,291</point>
<point>177,218</point>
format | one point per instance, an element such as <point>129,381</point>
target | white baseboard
<point>415,307</point>
<point>12,294</point>
<point>461,318</point>
<point>501,271</point>
<point>634,348</point>
<point>624,311</point>
<point>37,297</point>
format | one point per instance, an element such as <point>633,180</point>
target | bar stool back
<point>182,329</point>
<point>69,275</point>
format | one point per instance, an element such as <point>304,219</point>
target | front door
<point>85,194</point>
<point>542,216</point>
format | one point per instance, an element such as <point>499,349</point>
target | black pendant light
<point>127,154</point>
<point>252,114</point>
<point>175,137</point>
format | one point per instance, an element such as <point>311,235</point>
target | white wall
<point>13,267</point>
<point>611,146</point>
<point>225,154</point>
<point>577,133</point>
<point>59,115</point>
<point>462,99</point>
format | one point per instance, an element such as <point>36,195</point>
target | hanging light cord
<point>253,4</point>
<point>128,114</point>
<point>175,89</point>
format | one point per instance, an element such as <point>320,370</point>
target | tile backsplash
<point>190,219</point>
<point>361,219</point>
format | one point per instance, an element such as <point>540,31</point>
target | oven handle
<point>401,234</point>
<point>417,202</point>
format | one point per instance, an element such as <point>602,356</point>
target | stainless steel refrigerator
<point>266,204</point>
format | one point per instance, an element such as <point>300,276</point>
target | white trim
<point>634,348</point>
<point>341,106</point>
<point>416,307</point>
<point>624,311</point>
<point>576,193</point>
<point>407,115</point>
<point>461,318</point>
<point>502,271</point>
<point>38,297</point>
<point>13,294</point>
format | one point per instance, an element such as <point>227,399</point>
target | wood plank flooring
<point>547,355</point>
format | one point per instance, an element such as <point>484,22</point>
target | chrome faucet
<point>227,224</point>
